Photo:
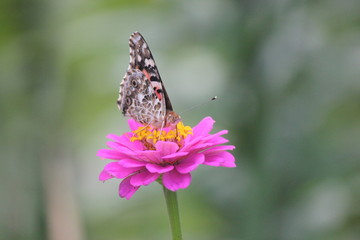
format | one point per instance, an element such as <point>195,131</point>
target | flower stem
<point>173,212</point>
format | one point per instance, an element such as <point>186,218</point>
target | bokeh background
<point>286,74</point>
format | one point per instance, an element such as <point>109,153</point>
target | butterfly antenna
<point>199,105</point>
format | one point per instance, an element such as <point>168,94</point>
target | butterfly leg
<point>177,133</point>
<point>140,129</point>
<point>160,132</point>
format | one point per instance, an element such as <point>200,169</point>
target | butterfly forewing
<point>142,59</point>
<point>142,93</point>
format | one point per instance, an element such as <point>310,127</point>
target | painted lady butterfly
<point>142,93</point>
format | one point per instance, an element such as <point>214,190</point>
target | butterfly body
<point>142,93</point>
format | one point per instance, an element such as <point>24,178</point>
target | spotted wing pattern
<point>138,100</point>
<point>142,93</point>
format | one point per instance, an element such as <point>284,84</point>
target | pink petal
<point>229,163</point>
<point>220,148</point>
<point>218,141</point>
<point>166,148</point>
<point>155,168</point>
<point>175,156</point>
<point>201,142</point>
<point>204,127</point>
<point>216,137</point>
<point>126,190</point>
<point>143,178</point>
<point>150,156</point>
<point>116,170</point>
<point>121,149</point>
<point>104,176</point>
<point>134,125</point>
<point>130,163</point>
<point>205,142</point>
<point>124,140</point>
<point>229,160</point>
<point>191,141</point>
<point>174,180</point>
<point>217,159</point>
<point>197,147</point>
<point>190,163</point>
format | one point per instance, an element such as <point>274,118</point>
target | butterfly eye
<point>128,101</point>
<point>134,83</point>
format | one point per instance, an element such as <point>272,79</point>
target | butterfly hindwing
<point>137,98</point>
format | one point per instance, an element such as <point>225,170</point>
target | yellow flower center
<point>149,136</point>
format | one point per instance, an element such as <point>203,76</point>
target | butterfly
<point>142,94</point>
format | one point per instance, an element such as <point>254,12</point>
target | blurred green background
<point>287,77</point>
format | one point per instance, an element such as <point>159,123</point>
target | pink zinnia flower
<point>145,155</point>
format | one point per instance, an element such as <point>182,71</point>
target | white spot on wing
<point>156,84</point>
<point>149,62</point>
<point>136,38</point>
<point>140,96</point>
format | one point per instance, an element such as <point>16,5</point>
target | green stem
<point>173,212</point>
